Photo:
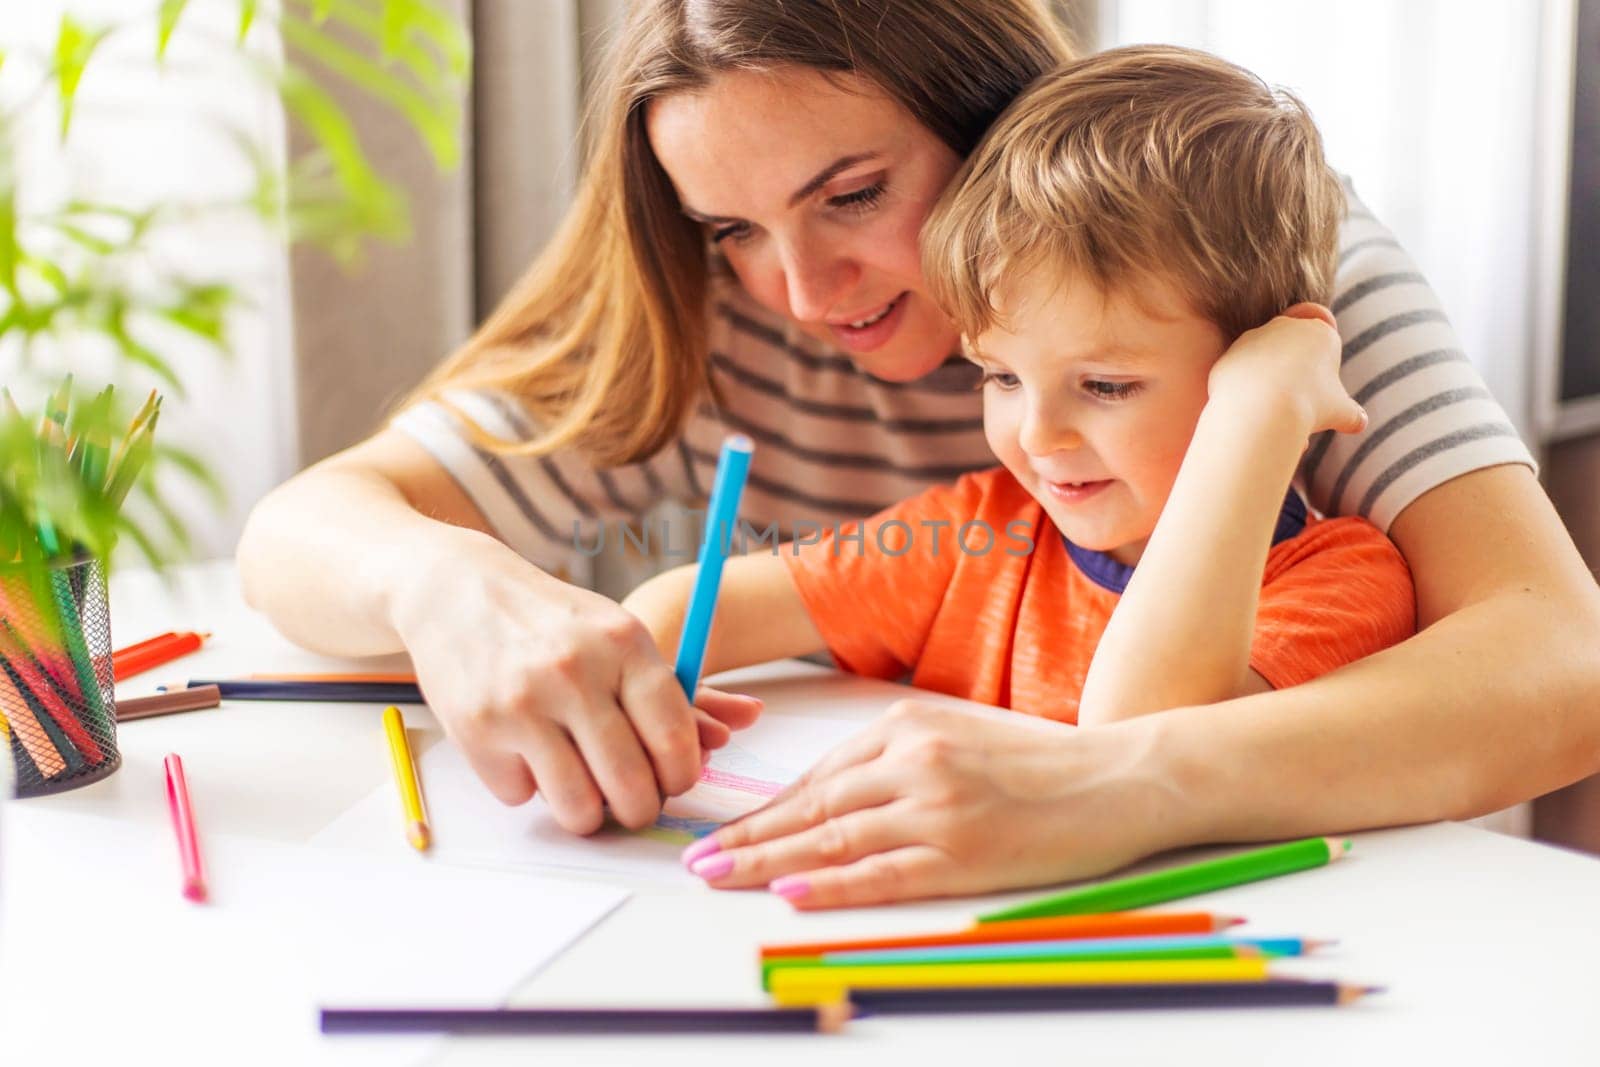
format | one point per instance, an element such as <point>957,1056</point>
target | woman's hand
<point>547,687</point>
<point>932,800</point>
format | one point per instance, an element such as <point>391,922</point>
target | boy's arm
<point>759,615</point>
<point>1182,632</point>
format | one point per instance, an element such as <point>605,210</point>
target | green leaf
<point>436,121</point>
<point>92,242</point>
<point>440,27</point>
<point>202,310</point>
<point>147,548</point>
<point>379,206</point>
<point>10,253</point>
<point>195,467</point>
<point>115,326</point>
<point>74,45</point>
<point>168,16</point>
<point>247,17</point>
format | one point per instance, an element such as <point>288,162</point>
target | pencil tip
<point>1231,920</point>
<point>832,1017</point>
<point>419,837</point>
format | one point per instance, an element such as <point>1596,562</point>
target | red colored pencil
<point>1116,924</point>
<point>194,879</point>
<point>136,659</point>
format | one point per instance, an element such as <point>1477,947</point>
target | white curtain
<point>1432,108</point>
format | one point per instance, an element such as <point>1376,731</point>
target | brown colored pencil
<point>204,696</point>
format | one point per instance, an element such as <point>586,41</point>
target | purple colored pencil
<point>827,1018</point>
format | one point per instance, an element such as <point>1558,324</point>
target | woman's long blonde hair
<point>603,338</point>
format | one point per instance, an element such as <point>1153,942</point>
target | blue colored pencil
<point>1107,947</point>
<point>722,514</point>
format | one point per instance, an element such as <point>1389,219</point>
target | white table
<point>1487,944</point>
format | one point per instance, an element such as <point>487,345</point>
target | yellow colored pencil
<point>818,985</point>
<point>405,777</point>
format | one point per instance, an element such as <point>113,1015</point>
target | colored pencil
<point>45,721</point>
<point>722,516</point>
<point>1275,992</point>
<point>405,779</point>
<point>825,1019</point>
<point>1133,924</point>
<point>815,985</point>
<point>1178,882</point>
<point>35,742</point>
<point>206,696</point>
<point>136,659</point>
<point>371,677</point>
<point>332,692</point>
<point>28,677</point>
<point>182,812</point>
<point>1188,947</point>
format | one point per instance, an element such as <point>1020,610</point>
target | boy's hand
<point>1294,361</point>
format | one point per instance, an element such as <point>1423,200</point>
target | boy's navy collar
<point>1106,572</point>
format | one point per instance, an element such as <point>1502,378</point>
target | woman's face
<point>815,190</point>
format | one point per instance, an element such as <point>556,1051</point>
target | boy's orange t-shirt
<point>1017,625</point>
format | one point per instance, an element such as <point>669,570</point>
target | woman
<point>743,255</point>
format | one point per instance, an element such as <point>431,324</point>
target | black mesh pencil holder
<point>55,676</point>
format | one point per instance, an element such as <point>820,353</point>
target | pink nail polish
<point>714,866</point>
<point>702,848</point>
<point>790,886</point>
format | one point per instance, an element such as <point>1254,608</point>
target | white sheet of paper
<point>476,829</point>
<point>100,956</point>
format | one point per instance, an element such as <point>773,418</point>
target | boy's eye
<point>1111,390</point>
<point>999,379</point>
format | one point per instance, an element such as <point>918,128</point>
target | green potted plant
<point>80,465</point>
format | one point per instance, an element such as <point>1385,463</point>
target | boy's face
<point>1090,400</point>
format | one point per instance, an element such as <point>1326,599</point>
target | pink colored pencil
<point>194,879</point>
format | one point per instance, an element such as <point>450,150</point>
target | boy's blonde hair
<point>1140,162</point>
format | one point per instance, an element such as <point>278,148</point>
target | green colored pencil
<point>1145,889</point>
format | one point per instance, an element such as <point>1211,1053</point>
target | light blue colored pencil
<point>1095,946</point>
<point>722,514</point>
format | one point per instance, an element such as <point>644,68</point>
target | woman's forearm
<point>1490,707</point>
<point>330,555</point>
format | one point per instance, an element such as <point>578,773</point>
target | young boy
<point>1131,254</point>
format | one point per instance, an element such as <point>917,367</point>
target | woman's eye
<point>737,232</point>
<point>1111,390</point>
<point>860,200</point>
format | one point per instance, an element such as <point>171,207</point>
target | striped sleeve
<point>1431,417</point>
<point>552,510</point>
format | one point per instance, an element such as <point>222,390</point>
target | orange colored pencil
<point>1116,924</point>
<point>398,678</point>
<point>136,659</point>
